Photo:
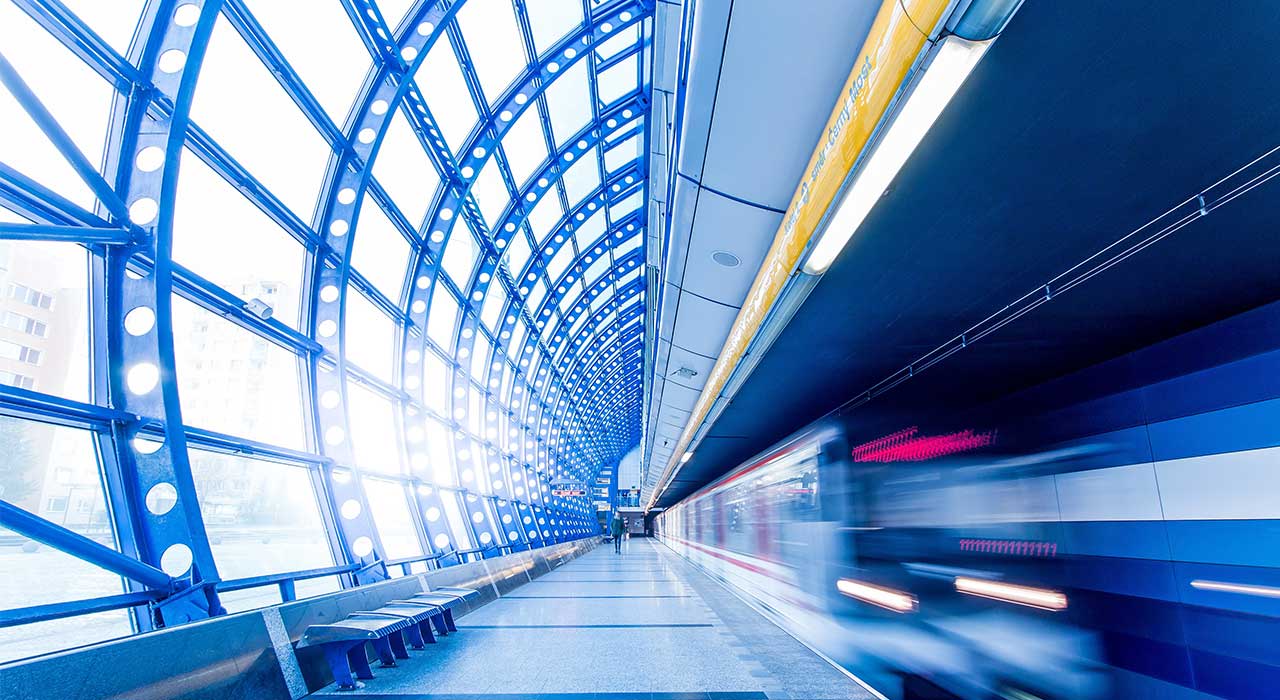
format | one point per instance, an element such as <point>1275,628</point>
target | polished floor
<point>641,625</point>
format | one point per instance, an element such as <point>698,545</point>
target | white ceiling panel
<point>709,25</point>
<point>684,205</point>
<point>702,325</point>
<point>680,396</point>
<point>682,363</point>
<point>667,320</point>
<point>723,225</point>
<point>763,99</point>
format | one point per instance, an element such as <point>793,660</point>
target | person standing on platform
<point>616,528</point>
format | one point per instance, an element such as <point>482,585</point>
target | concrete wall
<point>250,655</point>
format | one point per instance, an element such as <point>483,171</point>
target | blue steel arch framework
<point>527,400</point>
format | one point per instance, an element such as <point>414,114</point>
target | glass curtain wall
<point>300,294</point>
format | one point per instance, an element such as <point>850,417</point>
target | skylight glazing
<point>380,268</point>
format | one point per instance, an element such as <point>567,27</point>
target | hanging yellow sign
<point>891,50</point>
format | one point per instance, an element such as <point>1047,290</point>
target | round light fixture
<point>725,258</point>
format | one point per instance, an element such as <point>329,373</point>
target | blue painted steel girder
<point>152,101</point>
<point>141,365</point>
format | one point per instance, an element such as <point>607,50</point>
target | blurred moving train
<point>1114,533</point>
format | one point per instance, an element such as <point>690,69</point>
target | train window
<point>798,492</point>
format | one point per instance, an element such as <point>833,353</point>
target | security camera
<point>259,308</point>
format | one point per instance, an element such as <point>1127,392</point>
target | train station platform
<point>641,625</point>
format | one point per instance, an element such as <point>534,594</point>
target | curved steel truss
<point>362,281</point>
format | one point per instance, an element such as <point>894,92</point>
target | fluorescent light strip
<point>1042,598</point>
<point>886,598</point>
<point>951,65</point>
<point>1241,588</point>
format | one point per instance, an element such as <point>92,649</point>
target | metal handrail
<point>55,611</point>
<point>240,584</point>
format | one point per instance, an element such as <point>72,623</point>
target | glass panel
<point>115,21</point>
<point>440,453</point>
<point>491,192</point>
<point>517,254</point>
<point>626,206</point>
<point>76,97</point>
<point>577,326</point>
<point>633,125</point>
<point>598,268</point>
<point>480,470</point>
<point>569,102</point>
<point>566,301</point>
<point>560,262</point>
<point>250,598</point>
<point>550,20</point>
<point>517,336</point>
<point>460,254</point>
<point>536,295</point>
<point>316,586</point>
<point>626,246</point>
<point>44,330</point>
<point>321,45</point>
<point>379,251</point>
<point>494,302</point>
<point>582,178</point>
<point>494,43</point>
<point>618,80</point>
<point>404,170</point>
<point>262,517</point>
<point>442,317</point>
<point>273,141</point>
<point>394,10</point>
<point>435,384</point>
<point>234,381</point>
<point>545,215</point>
<point>622,154</point>
<point>622,39</point>
<point>372,418</point>
<point>370,335</point>
<point>480,358</point>
<point>446,93</point>
<point>461,535</point>
<point>389,506</point>
<point>52,472</point>
<point>221,236</point>
<point>525,146</point>
<point>589,231</point>
<point>475,414</point>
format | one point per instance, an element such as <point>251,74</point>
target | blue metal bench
<point>386,628</point>
<point>445,604</point>
<point>466,594</point>
<point>343,645</point>
<point>448,598</point>
<point>420,614</point>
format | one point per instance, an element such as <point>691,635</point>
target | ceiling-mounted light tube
<point>952,62</point>
<point>686,457</point>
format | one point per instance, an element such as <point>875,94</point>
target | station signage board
<point>568,492</point>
